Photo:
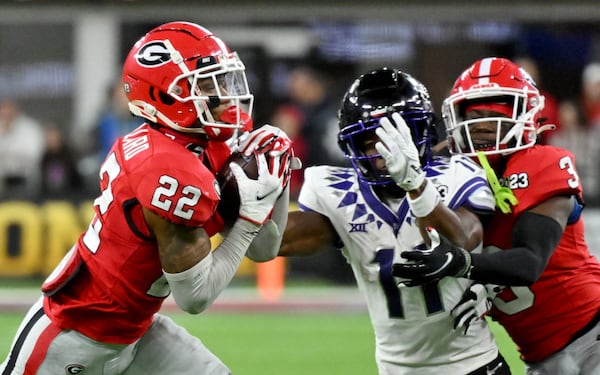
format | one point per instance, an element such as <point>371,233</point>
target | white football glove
<point>266,138</point>
<point>399,152</point>
<point>475,303</point>
<point>274,142</point>
<point>257,197</point>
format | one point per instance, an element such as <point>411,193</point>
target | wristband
<point>426,202</point>
<point>466,270</point>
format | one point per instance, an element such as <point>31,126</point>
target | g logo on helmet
<point>153,54</point>
<point>74,369</point>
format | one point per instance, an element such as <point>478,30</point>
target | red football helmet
<point>501,86</point>
<point>178,72</point>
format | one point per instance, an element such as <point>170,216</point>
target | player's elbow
<point>190,289</point>
<point>192,301</point>
<point>261,257</point>
<point>536,270</point>
<point>193,306</point>
<point>525,280</point>
<point>265,253</point>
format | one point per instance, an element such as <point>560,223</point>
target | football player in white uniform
<point>399,196</point>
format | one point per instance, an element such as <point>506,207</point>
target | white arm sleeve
<point>196,288</point>
<point>265,245</point>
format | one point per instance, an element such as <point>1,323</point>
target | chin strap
<point>504,197</point>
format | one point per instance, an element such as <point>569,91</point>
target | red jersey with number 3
<point>119,284</point>
<point>542,318</point>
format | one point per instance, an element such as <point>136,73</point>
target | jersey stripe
<point>41,348</point>
<point>10,366</point>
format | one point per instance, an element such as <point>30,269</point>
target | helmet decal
<point>153,54</point>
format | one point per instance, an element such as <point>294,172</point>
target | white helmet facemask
<point>517,110</point>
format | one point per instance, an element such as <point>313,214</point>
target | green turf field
<point>281,343</point>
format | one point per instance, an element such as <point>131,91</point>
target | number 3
<point>111,169</point>
<point>566,163</point>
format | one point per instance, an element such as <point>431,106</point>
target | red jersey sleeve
<point>539,173</point>
<point>176,186</point>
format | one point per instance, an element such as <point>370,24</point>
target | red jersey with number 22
<point>543,317</point>
<point>120,284</point>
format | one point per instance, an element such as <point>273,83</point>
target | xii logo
<point>358,227</point>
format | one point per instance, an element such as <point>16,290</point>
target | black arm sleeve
<point>534,238</point>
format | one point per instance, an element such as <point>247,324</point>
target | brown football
<point>229,205</point>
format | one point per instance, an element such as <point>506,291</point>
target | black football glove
<point>428,266</point>
<point>475,303</point>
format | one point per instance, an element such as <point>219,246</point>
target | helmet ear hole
<point>165,98</point>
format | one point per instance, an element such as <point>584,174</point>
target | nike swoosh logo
<point>449,258</point>
<point>260,198</point>
<point>494,370</point>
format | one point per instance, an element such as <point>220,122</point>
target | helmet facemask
<point>515,126</point>
<point>209,86</point>
<point>352,140</point>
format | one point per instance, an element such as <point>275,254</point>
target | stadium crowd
<point>31,168</point>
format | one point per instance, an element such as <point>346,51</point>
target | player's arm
<point>403,164</point>
<point>306,233</point>
<point>265,245</point>
<point>196,275</point>
<point>273,141</point>
<point>535,235</point>
<point>179,247</point>
<point>461,226</point>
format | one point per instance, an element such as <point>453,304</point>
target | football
<point>229,205</point>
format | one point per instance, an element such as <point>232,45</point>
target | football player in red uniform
<point>535,244</point>
<point>150,234</point>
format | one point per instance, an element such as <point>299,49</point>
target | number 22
<point>160,199</point>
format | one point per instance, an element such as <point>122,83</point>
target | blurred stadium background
<point>58,60</point>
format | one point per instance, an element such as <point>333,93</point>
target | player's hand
<point>274,142</point>
<point>257,197</point>
<point>265,139</point>
<point>399,153</point>
<point>289,163</point>
<point>426,266</point>
<point>475,303</point>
